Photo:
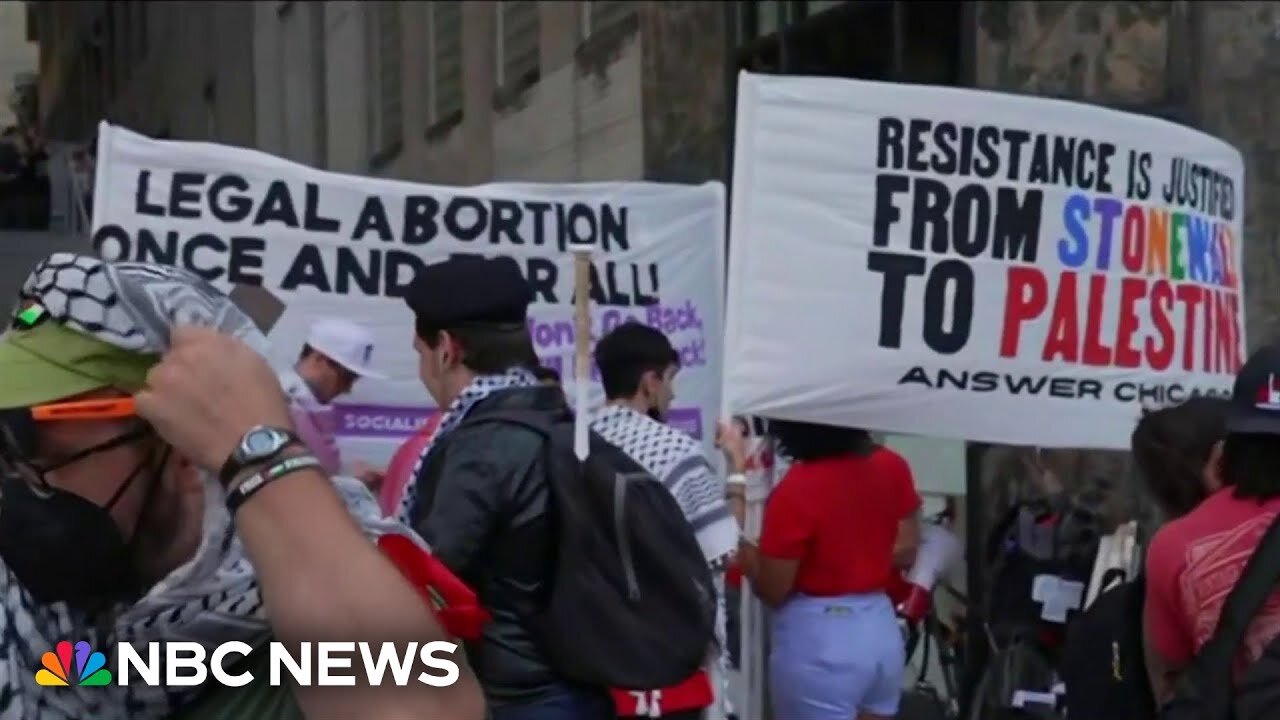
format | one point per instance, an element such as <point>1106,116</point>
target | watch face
<point>260,442</point>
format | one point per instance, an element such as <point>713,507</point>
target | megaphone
<point>939,549</point>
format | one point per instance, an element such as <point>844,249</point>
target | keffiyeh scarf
<point>480,388</point>
<point>678,461</point>
<point>214,597</point>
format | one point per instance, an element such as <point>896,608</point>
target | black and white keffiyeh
<point>480,388</point>
<point>214,597</point>
<point>680,463</point>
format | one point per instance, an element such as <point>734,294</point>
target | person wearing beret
<point>479,495</point>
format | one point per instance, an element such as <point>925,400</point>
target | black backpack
<point>1207,690</point>
<point>632,604</point>
<point>1102,662</point>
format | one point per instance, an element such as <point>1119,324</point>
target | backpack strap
<point>1111,578</point>
<point>1215,661</point>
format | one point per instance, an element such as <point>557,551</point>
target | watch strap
<point>236,462</point>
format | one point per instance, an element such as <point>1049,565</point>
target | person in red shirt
<point>845,514</point>
<point>1194,561</point>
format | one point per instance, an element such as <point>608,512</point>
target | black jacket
<point>482,502</point>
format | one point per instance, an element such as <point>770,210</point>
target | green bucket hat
<point>43,361</point>
<point>84,324</point>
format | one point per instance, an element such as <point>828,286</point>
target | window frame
<point>384,143</point>
<point>141,37</point>
<point>436,119</point>
<point>501,82</point>
<point>587,28</point>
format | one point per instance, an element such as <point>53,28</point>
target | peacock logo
<point>67,665</point>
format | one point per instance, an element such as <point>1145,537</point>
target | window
<point>518,44</point>
<point>96,77</point>
<point>111,65</point>
<point>759,19</point>
<point>857,40</point>
<point>600,15</point>
<point>141,28</point>
<point>210,109</point>
<point>386,106</point>
<point>121,39</point>
<point>445,94</point>
<point>758,30</point>
<point>813,7</point>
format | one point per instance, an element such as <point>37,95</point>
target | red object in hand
<point>909,600</point>
<point>915,605</point>
<point>733,575</point>
<point>897,588</point>
<point>455,604</point>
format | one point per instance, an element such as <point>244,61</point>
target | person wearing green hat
<point>152,489</point>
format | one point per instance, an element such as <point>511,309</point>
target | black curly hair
<point>811,441</point>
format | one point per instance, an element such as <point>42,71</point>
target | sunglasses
<point>108,409</point>
<point>18,426</point>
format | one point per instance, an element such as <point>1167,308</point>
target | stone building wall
<point>683,90</point>
<point>1213,66</point>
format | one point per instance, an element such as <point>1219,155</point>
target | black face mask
<point>65,548</point>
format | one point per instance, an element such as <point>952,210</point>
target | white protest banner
<point>975,265</point>
<point>327,244</point>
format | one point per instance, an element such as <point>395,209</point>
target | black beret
<point>470,290</point>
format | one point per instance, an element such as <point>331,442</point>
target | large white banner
<point>324,243</point>
<point>976,265</point>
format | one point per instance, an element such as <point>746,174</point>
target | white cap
<point>345,343</point>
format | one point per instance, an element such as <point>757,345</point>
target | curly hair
<point>811,441</point>
<point>1172,445</point>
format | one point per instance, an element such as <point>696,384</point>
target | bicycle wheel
<point>988,705</point>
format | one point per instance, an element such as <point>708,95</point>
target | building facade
<point>17,56</point>
<point>179,70</point>
<point>452,92</point>
<point>468,92</point>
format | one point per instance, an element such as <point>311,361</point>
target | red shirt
<point>1192,564</point>
<point>839,517</point>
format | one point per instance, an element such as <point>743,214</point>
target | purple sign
<point>392,421</point>
<point>381,421</point>
<point>688,420</point>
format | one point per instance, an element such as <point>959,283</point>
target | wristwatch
<point>261,444</point>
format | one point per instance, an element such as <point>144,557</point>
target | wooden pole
<point>582,349</point>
